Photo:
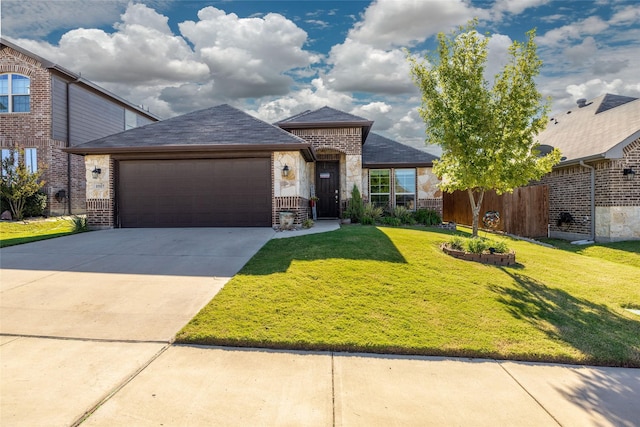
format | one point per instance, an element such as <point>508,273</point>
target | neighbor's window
<point>31,159</point>
<point>130,120</point>
<point>405,188</point>
<point>15,93</point>
<point>380,187</point>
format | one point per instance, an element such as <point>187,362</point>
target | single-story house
<point>223,167</point>
<point>594,192</point>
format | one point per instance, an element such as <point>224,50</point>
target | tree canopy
<point>486,132</point>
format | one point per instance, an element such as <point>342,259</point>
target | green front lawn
<point>392,290</point>
<point>17,232</point>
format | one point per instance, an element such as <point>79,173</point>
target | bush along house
<point>223,167</point>
<point>44,109</point>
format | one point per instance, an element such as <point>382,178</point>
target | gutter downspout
<point>69,143</point>
<point>593,199</point>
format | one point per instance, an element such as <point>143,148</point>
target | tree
<point>486,132</point>
<point>18,182</point>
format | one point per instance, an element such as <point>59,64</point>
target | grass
<point>392,290</point>
<point>18,232</point>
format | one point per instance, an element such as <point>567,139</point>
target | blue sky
<point>278,58</point>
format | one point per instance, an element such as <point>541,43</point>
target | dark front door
<point>327,189</point>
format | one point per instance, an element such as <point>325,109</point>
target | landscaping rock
<point>6,215</point>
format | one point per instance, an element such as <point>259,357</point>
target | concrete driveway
<point>81,314</point>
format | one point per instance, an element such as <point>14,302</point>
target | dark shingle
<point>323,115</point>
<point>612,101</point>
<point>379,151</point>
<point>221,125</point>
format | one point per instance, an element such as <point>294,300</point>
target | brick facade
<point>570,191</point>
<point>33,130</point>
<point>345,140</point>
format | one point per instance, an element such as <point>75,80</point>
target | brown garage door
<point>195,193</point>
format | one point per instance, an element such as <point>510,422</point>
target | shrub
<point>35,204</point>
<point>457,243</point>
<point>499,247</point>
<point>80,224</point>
<point>476,245</point>
<point>307,223</point>
<point>371,214</point>
<point>403,214</point>
<point>428,217</point>
<point>355,206</point>
<point>390,220</point>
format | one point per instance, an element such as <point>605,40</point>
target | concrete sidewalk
<point>199,386</point>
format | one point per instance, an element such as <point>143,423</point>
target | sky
<point>275,59</point>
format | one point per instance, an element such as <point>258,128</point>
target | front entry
<point>328,188</point>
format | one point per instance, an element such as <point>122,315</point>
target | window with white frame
<point>130,120</point>
<point>380,187</point>
<point>15,93</point>
<point>405,188</point>
<point>31,159</point>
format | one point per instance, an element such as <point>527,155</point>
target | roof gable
<point>379,151</point>
<point>221,126</point>
<point>599,129</point>
<point>323,115</point>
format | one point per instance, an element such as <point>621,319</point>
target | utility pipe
<point>593,198</point>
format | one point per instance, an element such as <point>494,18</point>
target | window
<point>405,188</point>
<point>15,93</point>
<point>31,159</point>
<point>380,187</point>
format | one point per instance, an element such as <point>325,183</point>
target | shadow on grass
<point>20,240</point>
<point>603,336</point>
<point>352,243</point>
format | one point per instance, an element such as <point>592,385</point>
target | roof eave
<point>304,148</point>
<point>396,165</point>
<point>312,125</point>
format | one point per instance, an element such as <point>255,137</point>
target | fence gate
<point>525,212</point>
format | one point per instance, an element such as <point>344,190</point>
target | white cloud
<point>248,57</point>
<point>583,52</point>
<point>388,23</point>
<point>141,50</point>
<point>358,67</point>
<point>626,16</point>
<point>567,33</point>
<point>516,6</point>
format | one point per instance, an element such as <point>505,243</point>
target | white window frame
<point>373,193</point>
<point>397,184</point>
<point>31,159</point>
<point>10,95</point>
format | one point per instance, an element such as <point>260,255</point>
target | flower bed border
<point>492,259</point>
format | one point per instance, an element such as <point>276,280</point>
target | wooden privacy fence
<point>525,212</point>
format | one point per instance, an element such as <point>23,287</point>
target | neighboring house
<point>45,108</point>
<point>222,167</point>
<point>594,192</point>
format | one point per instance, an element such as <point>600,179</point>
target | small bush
<point>355,206</point>
<point>457,243</point>
<point>500,247</point>
<point>391,220</point>
<point>307,223</point>
<point>428,217</point>
<point>80,224</point>
<point>476,246</point>
<point>371,214</point>
<point>35,204</point>
<point>403,214</point>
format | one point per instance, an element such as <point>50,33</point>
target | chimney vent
<point>582,102</point>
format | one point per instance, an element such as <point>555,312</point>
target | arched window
<point>15,93</point>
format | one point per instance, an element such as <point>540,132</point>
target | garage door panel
<point>192,193</point>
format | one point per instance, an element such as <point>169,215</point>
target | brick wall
<point>101,212</point>
<point>345,140</point>
<point>33,130</point>
<point>570,191</point>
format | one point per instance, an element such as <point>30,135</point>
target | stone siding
<point>100,200</point>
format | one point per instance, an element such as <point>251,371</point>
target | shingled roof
<point>213,129</point>
<point>598,130</point>
<point>379,151</point>
<point>326,117</point>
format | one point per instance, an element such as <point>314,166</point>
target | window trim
<point>415,185</point>
<point>392,194</point>
<point>388,194</point>
<point>10,95</point>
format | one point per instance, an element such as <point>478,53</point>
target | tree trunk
<point>475,209</point>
